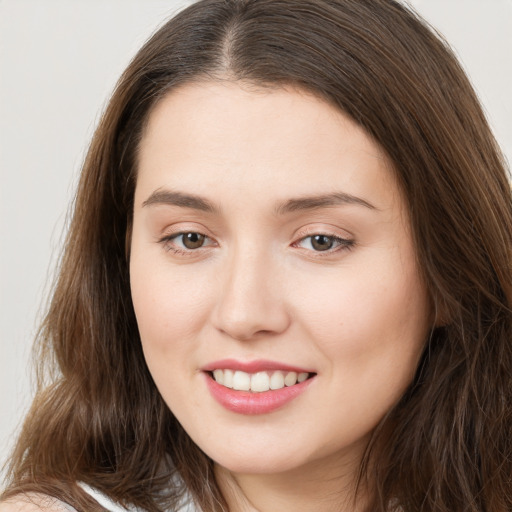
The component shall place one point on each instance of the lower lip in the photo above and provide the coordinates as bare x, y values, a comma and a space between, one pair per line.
245, 402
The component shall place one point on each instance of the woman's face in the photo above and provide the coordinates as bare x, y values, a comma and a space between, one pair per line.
271, 244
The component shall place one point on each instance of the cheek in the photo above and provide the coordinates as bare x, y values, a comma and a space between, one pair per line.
170, 312
371, 334
170, 306
370, 321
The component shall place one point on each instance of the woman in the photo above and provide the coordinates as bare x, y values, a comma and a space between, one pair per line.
287, 280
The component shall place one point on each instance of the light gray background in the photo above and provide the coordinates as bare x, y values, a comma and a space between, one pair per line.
59, 60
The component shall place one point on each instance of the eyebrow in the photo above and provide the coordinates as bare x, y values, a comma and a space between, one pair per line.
172, 198
196, 202
321, 201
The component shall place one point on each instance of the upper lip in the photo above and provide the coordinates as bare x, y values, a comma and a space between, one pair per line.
258, 365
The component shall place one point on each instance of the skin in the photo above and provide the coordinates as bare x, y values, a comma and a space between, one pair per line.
357, 314
33, 503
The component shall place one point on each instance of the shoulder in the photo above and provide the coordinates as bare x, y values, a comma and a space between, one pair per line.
34, 503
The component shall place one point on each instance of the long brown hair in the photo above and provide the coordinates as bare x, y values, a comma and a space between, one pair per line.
447, 446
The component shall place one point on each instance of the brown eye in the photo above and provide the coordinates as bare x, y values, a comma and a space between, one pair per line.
322, 242
192, 240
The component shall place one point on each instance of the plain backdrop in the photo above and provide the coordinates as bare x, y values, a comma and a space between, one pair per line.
59, 60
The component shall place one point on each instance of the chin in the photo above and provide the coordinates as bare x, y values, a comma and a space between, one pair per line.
259, 465
269, 458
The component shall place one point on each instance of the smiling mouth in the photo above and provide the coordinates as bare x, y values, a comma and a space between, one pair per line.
258, 382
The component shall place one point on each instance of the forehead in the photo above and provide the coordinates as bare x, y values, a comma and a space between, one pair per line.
211, 136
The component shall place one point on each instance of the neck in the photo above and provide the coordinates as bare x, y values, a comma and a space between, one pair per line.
319, 487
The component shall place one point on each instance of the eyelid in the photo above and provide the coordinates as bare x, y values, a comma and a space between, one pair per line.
179, 228
333, 231
175, 231
181, 233
344, 242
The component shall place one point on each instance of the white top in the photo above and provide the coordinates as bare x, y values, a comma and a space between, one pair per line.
112, 506
41, 502
105, 501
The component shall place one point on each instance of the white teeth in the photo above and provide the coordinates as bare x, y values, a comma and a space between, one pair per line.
241, 381
228, 378
258, 382
290, 379
277, 380
218, 375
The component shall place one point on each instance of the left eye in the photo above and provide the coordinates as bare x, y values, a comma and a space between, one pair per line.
190, 240
321, 243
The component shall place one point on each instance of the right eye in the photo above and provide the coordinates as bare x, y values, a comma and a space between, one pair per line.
185, 242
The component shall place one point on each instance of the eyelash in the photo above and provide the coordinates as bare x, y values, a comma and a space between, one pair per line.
167, 242
339, 242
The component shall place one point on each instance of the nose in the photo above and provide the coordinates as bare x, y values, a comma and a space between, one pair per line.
251, 301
